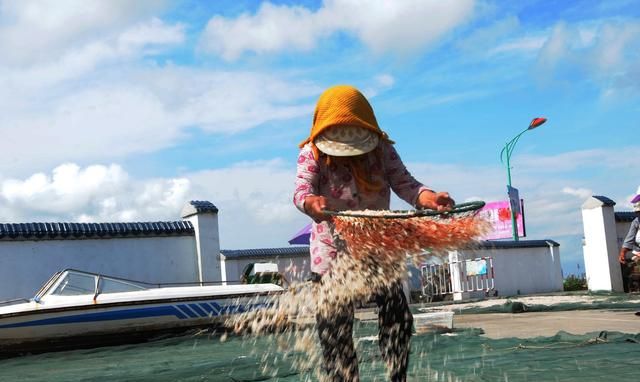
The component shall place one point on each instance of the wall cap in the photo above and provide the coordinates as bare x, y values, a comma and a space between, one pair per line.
597, 201
195, 207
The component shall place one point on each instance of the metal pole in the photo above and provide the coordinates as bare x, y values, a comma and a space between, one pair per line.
514, 228
507, 151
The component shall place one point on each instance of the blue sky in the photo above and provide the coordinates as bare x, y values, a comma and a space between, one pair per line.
119, 110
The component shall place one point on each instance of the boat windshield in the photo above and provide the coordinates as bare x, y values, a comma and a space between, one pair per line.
109, 285
75, 283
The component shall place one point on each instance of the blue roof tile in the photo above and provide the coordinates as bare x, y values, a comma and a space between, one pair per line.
265, 252
304, 250
48, 231
625, 216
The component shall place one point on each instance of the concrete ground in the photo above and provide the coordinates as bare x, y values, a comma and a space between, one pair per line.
534, 324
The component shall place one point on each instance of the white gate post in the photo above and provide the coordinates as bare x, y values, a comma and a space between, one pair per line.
204, 217
600, 249
456, 260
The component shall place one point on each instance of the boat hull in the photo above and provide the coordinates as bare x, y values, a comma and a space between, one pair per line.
107, 324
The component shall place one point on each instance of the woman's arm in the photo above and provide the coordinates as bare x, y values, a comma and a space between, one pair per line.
408, 188
305, 196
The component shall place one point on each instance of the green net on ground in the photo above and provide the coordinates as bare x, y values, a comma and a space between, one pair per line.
515, 306
461, 356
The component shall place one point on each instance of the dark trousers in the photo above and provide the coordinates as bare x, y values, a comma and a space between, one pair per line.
395, 321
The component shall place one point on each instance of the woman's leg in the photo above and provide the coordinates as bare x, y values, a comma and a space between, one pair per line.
395, 323
340, 362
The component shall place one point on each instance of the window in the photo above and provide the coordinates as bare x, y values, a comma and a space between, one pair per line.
116, 286
76, 284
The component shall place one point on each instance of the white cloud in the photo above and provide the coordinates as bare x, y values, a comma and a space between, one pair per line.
265, 188
72, 66
138, 111
380, 84
383, 26
579, 159
153, 32
255, 198
39, 30
581, 193
92, 193
480, 39
524, 44
606, 52
74, 91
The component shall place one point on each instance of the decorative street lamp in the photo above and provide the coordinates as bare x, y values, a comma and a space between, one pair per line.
505, 155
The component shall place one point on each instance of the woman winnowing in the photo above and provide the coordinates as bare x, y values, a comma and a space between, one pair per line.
349, 163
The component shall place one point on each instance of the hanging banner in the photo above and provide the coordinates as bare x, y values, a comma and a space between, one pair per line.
514, 199
499, 216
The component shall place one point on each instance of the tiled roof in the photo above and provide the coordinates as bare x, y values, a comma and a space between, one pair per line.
304, 250
625, 216
48, 231
265, 252
496, 244
197, 207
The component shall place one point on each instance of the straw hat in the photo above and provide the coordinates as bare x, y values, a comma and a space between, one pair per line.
344, 141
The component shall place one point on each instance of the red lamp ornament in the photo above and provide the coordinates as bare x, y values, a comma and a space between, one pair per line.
536, 122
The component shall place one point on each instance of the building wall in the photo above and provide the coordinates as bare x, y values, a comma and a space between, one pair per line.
294, 268
522, 270
28, 264
186, 251
622, 228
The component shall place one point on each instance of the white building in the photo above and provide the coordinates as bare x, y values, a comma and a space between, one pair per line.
157, 252
519, 267
293, 262
188, 251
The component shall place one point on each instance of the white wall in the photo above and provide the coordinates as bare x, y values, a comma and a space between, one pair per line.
152, 256
522, 270
294, 268
25, 265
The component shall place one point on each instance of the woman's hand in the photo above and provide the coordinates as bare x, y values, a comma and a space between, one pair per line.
314, 206
439, 201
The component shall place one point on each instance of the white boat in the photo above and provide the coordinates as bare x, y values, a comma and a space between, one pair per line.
81, 309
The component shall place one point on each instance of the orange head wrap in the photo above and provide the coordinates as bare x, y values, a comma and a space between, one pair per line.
342, 105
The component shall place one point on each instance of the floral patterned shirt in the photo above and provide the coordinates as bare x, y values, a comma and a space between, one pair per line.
336, 183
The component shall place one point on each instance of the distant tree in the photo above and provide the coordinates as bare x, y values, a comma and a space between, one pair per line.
573, 282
